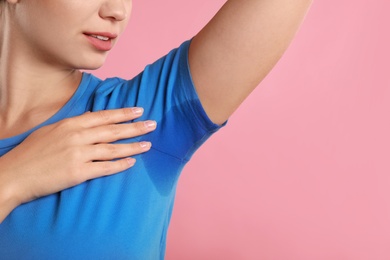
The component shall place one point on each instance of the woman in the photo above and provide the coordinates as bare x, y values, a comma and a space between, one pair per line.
78, 176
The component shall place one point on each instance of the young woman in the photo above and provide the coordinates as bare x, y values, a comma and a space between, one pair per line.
78, 176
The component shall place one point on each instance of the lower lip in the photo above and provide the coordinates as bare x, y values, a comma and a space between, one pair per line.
100, 44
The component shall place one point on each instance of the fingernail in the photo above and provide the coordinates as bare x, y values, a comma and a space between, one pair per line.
130, 161
145, 145
151, 124
138, 110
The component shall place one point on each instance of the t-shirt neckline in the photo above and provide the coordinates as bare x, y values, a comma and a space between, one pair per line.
61, 113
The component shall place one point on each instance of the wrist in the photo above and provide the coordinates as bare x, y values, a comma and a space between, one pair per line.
8, 194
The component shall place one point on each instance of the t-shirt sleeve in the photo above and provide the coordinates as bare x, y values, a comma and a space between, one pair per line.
166, 92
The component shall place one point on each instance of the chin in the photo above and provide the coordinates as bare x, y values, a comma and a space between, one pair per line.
92, 65
88, 61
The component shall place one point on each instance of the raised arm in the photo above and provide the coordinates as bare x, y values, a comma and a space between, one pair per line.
232, 54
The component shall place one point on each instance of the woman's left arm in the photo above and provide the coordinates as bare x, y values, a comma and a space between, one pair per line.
232, 54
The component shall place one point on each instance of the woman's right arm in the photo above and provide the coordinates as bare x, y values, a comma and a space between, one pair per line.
7, 202
67, 153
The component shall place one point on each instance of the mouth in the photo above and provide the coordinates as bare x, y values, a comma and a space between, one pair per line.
102, 41
104, 36
100, 37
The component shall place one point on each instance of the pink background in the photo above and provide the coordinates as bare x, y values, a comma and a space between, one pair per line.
302, 169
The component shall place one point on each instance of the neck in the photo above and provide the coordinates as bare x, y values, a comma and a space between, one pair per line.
30, 91
32, 87
23, 91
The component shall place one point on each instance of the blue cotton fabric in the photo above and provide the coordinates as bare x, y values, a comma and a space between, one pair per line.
123, 216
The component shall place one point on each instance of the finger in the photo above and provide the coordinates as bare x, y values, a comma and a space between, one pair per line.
99, 169
115, 151
105, 117
115, 132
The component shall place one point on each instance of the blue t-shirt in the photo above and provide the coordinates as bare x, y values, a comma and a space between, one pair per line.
123, 216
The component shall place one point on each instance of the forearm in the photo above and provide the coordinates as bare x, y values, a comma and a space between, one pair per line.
255, 33
8, 201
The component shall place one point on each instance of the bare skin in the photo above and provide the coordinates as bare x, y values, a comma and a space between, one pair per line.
235, 51
37, 78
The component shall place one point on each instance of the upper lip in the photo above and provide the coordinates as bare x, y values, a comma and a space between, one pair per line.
104, 34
